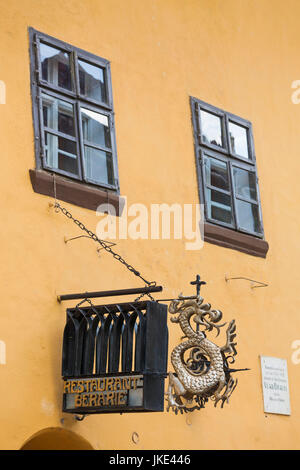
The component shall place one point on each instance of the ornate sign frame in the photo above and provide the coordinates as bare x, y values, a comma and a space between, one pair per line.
115, 358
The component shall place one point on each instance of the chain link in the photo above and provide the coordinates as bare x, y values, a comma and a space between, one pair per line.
106, 247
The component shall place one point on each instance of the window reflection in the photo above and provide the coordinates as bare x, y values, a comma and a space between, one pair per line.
98, 165
92, 81
58, 115
211, 128
55, 65
61, 153
245, 183
219, 206
95, 127
238, 140
248, 216
216, 173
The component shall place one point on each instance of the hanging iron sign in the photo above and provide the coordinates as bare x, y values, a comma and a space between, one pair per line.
115, 358
115, 355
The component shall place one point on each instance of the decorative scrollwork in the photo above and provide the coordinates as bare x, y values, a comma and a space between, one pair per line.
205, 373
197, 362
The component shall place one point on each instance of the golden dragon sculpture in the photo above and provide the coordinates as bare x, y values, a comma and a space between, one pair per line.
205, 372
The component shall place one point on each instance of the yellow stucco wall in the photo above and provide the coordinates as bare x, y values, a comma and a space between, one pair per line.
239, 55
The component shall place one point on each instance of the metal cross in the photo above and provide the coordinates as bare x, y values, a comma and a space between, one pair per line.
198, 283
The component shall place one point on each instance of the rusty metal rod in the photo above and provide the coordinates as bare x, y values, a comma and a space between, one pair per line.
109, 293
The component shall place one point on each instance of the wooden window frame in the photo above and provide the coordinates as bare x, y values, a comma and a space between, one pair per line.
102, 191
221, 233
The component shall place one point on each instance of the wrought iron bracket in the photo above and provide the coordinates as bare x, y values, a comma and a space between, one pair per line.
261, 284
66, 240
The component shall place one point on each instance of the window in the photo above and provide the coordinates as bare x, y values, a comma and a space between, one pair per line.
227, 177
73, 113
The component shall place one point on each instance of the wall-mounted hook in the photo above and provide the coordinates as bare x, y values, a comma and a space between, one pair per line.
66, 240
261, 284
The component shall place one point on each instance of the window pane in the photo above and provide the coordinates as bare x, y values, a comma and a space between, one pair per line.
219, 206
92, 81
216, 173
245, 183
248, 216
61, 153
238, 139
55, 65
98, 165
58, 115
67, 163
95, 127
211, 128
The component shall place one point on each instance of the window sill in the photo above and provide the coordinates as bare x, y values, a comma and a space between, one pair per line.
75, 193
235, 240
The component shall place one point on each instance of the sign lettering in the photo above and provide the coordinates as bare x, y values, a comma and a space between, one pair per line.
92, 394
275, 385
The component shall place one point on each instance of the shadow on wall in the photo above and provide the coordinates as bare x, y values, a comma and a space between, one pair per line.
56, 439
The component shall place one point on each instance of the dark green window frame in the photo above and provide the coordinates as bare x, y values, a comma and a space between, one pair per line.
75, 146
224, 205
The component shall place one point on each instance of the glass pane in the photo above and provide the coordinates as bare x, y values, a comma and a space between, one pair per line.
55, 65
248, 216
67, 146
92, 81
245, 183
216, 173
58, 115
238, 139
219, 206
61, 153
67, 164
211, 128
98, 165
95, 127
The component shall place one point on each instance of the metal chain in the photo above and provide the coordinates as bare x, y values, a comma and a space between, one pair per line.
142, 295
116, 256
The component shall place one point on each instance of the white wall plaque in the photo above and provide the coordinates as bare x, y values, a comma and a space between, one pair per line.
275, 385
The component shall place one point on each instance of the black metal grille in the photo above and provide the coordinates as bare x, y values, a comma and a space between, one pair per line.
115, 338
